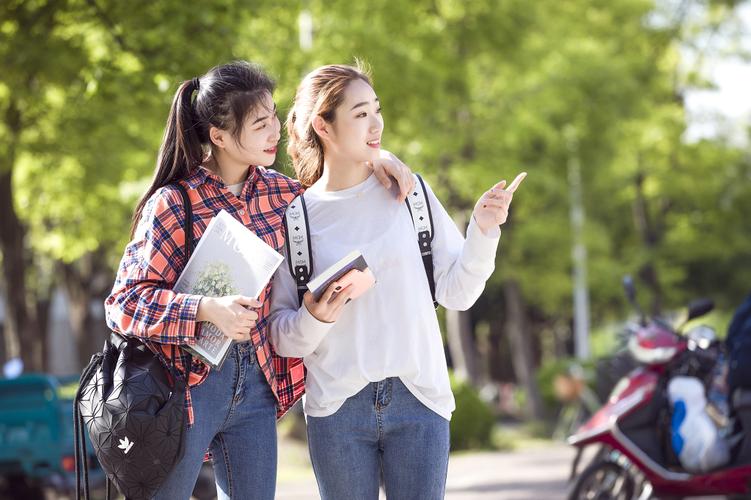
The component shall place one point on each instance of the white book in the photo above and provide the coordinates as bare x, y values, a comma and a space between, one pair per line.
228, 260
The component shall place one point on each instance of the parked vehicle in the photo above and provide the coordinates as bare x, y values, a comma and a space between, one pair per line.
37, 458
635, 458
36, 437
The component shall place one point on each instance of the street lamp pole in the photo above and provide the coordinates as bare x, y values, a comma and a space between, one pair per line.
305, 27
578, 248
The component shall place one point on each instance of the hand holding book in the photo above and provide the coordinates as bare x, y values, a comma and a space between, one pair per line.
329, 306
338, 284
233, 315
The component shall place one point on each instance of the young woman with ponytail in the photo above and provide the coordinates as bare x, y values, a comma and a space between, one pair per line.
221, 134
378, 399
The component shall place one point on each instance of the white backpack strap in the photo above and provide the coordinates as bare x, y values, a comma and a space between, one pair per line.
299, 256
422, 220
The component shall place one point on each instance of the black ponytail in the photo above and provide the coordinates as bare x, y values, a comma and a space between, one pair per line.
223, 98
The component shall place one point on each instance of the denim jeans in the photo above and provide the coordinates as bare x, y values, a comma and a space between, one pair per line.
235, 417
381, 432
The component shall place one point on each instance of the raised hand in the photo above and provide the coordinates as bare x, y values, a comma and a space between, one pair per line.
491, 210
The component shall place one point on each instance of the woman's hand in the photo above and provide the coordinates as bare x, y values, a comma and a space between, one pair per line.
327, 309
233, 315
491, 209
389, 165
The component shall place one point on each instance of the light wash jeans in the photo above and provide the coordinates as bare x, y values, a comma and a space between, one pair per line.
382, 431
235, 417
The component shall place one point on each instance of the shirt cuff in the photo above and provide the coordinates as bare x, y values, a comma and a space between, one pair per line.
311, 327
187, 327
479, 244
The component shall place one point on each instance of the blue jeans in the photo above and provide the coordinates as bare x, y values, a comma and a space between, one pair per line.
381, 432
235, 417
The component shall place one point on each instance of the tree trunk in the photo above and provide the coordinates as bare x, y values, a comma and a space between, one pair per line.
11, 242
42, 323
85, 281
26, 318
459, 334
461, 346
650, 238
523, 360
21, 331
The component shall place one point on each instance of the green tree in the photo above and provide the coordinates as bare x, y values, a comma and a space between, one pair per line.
472, 92
83, 113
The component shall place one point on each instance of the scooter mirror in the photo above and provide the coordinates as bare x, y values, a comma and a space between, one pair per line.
699, 307
628, 287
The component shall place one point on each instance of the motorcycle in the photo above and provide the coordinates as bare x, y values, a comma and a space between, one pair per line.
632, 429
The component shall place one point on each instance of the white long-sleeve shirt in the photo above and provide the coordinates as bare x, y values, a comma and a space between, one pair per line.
391, 330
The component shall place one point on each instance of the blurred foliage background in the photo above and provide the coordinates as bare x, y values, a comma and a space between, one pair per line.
472, 92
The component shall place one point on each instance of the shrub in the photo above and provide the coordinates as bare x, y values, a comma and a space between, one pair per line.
472, 421
558, 377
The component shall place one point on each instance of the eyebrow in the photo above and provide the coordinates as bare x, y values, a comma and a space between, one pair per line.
363, 104
263, 117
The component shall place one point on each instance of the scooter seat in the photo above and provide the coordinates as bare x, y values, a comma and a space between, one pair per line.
741, 398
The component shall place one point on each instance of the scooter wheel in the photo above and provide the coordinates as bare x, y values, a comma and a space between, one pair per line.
603, 480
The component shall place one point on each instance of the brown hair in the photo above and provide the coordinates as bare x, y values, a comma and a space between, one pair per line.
319, 94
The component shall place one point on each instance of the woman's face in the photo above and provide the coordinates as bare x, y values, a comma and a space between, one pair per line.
258, 139
358, 124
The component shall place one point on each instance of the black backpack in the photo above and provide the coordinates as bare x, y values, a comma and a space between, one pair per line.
131, 402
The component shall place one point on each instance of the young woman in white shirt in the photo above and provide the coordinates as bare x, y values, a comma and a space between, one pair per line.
378, 399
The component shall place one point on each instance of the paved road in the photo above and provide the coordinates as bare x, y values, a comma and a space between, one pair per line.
531, 474
536, 473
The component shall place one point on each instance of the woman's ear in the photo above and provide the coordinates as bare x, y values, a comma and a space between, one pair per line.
216, 136
321, 127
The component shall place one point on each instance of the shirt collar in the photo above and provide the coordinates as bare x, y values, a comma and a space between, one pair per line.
202, 175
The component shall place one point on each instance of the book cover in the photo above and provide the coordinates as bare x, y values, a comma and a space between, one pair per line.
229, 259
351, 269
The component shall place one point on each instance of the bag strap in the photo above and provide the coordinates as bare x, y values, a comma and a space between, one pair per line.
422, 220
297, 242
188, 206
188, 228
79, 437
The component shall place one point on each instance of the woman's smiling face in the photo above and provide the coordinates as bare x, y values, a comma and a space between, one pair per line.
358, 124
258, 139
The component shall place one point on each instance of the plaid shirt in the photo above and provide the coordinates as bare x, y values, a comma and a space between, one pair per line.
142, 302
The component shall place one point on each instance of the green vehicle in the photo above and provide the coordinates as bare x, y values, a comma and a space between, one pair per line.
36, 438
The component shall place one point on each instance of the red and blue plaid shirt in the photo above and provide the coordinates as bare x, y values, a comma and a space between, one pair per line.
142, 302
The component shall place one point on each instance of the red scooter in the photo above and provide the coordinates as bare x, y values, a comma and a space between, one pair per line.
632, 429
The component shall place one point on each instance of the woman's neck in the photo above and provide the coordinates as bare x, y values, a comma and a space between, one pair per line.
341, 173
230, 171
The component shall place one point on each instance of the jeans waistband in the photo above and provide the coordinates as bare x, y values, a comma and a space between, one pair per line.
246, 350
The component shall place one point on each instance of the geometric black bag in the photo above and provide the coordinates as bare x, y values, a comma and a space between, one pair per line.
132, 404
